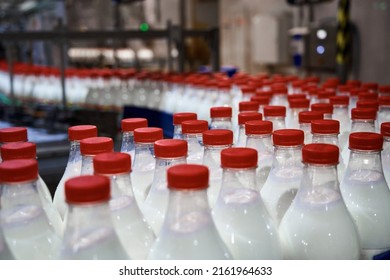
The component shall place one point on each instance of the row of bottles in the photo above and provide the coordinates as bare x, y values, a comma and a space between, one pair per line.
213, 210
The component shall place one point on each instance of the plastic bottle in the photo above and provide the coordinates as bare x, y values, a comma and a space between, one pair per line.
168, 152
214, 142
144, 161
188, 231
385, 131
325, 108
296, 106
277, 115
327, 132
263, 100
279, 96
25, 224
27, 150
317, 224
284, 178
239, 214
259, 138
363, 120
128, 126
367, 194
178, 118
90, 147
73, 167
192, 133
89, 230
242, 119
12, 134
5, 251
221, 118
341, 113
133, 231
305, 118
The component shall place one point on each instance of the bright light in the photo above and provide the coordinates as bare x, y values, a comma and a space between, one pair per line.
321, 34
320, 49
145, 54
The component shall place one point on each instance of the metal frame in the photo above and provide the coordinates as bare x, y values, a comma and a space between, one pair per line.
173, 34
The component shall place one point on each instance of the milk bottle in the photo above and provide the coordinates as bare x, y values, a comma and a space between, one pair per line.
192, 133
128, 127
242, 119
12, 134
305, 118
90, 147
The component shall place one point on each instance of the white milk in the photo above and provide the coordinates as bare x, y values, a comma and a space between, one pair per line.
141, 182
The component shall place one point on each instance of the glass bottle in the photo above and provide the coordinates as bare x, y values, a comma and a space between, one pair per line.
367, 194
188, 231
89, 230
239, 213
317, 224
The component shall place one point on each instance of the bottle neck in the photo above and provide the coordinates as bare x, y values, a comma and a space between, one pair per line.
326, 138
87, 165
144, 157
177, 132
160, 178
121, 185
188, 211
243, 178
127, 141
287, 156
365, 160
74, 153
363, 125
261, 142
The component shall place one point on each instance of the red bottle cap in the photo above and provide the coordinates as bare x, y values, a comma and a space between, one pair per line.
221, 112
325, 126
128, 125
96, 145
13, 134
80, 132
385, 129
245, 106
258, 127
363, 114
279, 89
339, 100
366, 141
288, 137
370, 86
344, 88
368, 96
19, 150
320, 154
178, 118
218, 137
261, 100
299, 103
148, 134
274, 111
18, 170
296, 96
112, 163
325, 108
384, 89
87, 189
384, 100
194, 127
188, 177
354, 83
326, 94
248, 89
309, 116
238, 158
372, 104
170, 148
249, 116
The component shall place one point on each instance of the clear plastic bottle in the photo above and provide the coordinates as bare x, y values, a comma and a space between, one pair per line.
385, 131
5, 251
341, 113
327, 132
263, 100
317, 225
277, 115
90, 147
144, 161
89, 230
133, 231
12, 134
284, 178
296, 106
214, 142
279, 96
259, 138
27, 150
192, 133
221, 118
178, 118
168, 152
367, 194
242, 119
363, 120
305, 118
325, 108
188, 231
73, 167
25, 224
239, 214
128, 126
